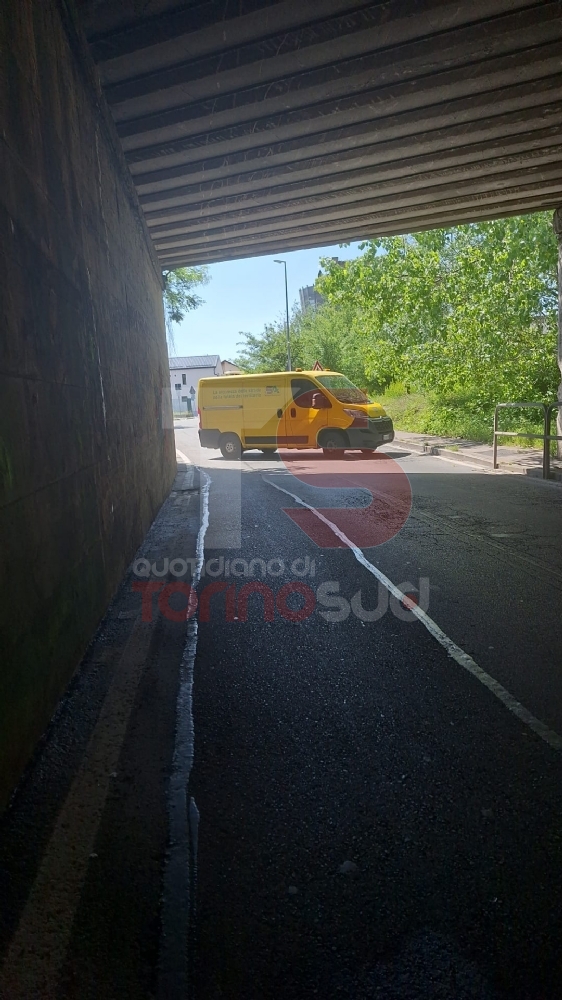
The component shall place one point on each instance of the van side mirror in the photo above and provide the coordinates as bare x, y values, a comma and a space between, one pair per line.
320, 402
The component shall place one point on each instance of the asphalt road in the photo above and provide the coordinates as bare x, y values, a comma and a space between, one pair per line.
374, 819
313, 790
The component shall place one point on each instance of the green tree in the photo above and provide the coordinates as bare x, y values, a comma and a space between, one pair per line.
267, 351
179, 297
328, 335
325, 335
467, 312
466, 316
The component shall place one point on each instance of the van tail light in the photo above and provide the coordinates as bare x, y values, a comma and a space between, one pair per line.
360, 419
199, 415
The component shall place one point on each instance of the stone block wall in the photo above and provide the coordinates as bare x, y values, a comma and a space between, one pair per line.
86, 450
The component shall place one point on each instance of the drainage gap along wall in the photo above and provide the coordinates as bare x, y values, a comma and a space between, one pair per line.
86, 445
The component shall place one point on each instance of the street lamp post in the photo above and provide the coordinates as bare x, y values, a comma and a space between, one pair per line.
284, 262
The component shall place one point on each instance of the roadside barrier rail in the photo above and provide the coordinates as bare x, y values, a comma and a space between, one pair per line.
546, 437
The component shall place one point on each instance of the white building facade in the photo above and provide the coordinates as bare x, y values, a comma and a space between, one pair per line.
184, 378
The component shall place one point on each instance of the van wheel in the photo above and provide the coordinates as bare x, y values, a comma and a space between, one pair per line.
230, 447
333, 444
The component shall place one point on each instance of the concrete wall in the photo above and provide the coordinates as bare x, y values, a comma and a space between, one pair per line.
83, 465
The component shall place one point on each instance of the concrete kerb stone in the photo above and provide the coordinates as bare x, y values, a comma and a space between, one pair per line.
433, 445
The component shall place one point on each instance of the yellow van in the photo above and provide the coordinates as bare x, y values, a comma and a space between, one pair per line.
289, 409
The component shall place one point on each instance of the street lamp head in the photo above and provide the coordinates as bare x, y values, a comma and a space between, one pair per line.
279, 262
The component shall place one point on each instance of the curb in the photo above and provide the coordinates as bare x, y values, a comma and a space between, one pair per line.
426, 448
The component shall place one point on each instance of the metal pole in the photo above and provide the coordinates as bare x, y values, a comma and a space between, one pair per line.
546, 443
288, 327
495, 446
557, 226
284, 262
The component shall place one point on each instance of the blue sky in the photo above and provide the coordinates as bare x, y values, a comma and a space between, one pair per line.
243, 295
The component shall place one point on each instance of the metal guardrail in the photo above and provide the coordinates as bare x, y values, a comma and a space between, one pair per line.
546, 437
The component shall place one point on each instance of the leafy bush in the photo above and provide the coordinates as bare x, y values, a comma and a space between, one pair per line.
461, 318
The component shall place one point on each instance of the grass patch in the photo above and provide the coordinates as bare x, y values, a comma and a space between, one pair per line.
457, 417
409, 412
420, 413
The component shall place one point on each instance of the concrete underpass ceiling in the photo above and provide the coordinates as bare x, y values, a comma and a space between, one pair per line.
261, 126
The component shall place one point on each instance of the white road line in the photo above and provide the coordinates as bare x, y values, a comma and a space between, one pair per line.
470, 465
177, 891
183, 457
454, 651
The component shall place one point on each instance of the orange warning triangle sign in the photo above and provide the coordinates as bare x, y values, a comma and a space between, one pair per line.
317, 367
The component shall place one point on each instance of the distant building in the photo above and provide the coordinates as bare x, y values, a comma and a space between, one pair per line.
229, 368
310, 298
184, 377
